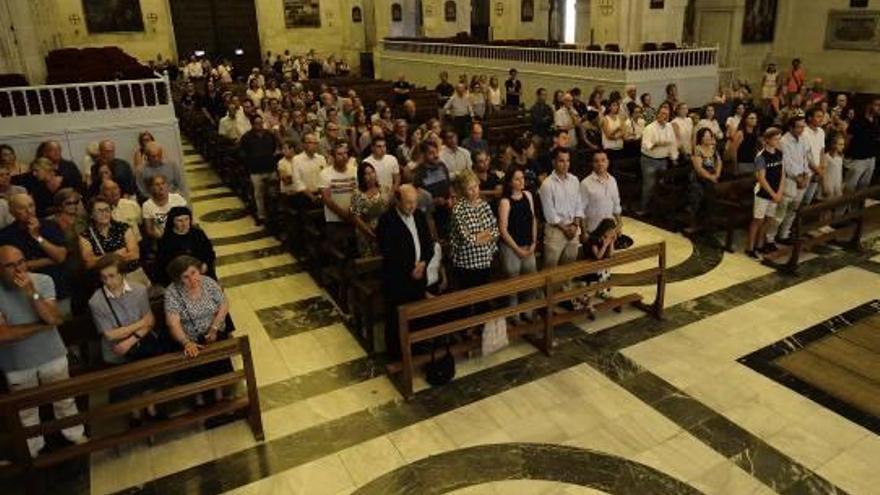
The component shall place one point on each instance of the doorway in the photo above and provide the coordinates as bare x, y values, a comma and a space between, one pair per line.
480, 20
221, 28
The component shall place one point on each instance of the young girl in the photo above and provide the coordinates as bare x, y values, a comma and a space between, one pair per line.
833, 186
599, 246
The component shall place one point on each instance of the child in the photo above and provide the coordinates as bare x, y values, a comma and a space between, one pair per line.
599, 246
833, 184
768, 191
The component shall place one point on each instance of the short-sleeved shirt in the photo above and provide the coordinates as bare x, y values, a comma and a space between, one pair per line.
386, 167
129, 212
130, 307
865, 138
40, 347
16, 235
160, 213
771, 163
196, 315
341, 185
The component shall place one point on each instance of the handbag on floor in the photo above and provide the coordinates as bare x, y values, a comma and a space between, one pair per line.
440, 371
494, 336
623, 241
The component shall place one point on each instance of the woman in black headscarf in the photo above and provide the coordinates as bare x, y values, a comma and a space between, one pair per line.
182, 237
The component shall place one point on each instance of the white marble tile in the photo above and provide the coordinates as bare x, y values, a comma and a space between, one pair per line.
682, 457
179, 451
241, 247
726, 478
113, 470
421, 440
231, 438
254, 265
371, 459
526, 487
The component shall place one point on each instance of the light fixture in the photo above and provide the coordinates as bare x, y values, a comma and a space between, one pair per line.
239, 51
199, 53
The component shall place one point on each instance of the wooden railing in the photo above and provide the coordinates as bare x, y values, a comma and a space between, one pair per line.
631, 61
84, 97
122, 375
540, 330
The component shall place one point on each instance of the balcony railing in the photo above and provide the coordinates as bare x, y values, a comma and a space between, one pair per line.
631, 61
84, 97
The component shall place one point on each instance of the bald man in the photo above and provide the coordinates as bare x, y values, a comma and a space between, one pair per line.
121, 170
406, 246
157, 166
42, 244
31, 350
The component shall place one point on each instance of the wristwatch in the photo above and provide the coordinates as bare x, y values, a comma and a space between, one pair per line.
40, 239
36, 296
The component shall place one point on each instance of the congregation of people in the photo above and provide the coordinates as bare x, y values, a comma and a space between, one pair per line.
443, 208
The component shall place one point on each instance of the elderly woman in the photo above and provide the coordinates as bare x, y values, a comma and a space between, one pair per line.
182, 237
195, 311
104, 235
473, 233
368, 203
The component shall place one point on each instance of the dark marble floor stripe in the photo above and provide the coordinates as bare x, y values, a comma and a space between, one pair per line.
256, 254
190, 152
224, 215
481, 464
260, 275
208, 197
298, 316
207, 186
236, 239
600, 350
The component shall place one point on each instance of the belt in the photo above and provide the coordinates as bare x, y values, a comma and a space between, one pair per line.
652, 158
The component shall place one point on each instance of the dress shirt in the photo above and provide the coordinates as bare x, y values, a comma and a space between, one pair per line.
410, 223
307, 172
795, 155
459, 106
654, 132
601, 199
456, 160
561, 199
816, 141
228, 128
565, 117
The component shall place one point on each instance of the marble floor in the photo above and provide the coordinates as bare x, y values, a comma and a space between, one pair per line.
626, 405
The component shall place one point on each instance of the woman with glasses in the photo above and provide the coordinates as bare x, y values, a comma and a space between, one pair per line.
103, 236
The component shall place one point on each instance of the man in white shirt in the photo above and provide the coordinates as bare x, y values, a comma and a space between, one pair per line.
338, 183
306, 177
796, 166
659, 145
814, 136
599, 195
563, 211
567, 119
455, 158
228, 126
123, 209
386, 166
193, 69
631, 96
157, 207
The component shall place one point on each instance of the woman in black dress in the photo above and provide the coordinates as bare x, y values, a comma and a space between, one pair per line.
182, 237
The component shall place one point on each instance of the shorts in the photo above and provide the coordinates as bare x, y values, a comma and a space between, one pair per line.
763, 208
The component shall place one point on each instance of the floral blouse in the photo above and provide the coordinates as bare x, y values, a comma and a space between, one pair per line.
369, 208
196, 315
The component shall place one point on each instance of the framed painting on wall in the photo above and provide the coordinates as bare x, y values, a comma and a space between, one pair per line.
396, 12
357, 14
853, 30
527, 11
113, 16
450, 11
302, 13
759, 21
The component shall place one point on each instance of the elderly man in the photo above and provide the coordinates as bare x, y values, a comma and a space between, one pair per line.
475, 142
124, 210
409, 113
456, 159
567, 118
31, 350
406, 246
659, 146
42, 244
258, 148
157, 166
72, 177
120, 169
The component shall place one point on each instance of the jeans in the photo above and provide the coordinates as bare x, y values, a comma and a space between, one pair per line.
513, 265
261, 183
50, 372
650, 166
786, 210
857, 174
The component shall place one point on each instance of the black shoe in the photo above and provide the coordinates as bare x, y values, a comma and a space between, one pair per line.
785, 242
752, 254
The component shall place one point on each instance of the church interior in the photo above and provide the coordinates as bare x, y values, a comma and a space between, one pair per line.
466, 247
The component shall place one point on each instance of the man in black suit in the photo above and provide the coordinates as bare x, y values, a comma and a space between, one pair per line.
406, 246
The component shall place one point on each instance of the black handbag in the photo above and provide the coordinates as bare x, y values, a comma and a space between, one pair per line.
623, 241
440, 371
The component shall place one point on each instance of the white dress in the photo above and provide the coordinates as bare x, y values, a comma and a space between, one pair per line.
685, 134
613, 123
770, 85
834, 175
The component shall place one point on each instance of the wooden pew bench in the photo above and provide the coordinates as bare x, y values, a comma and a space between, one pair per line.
733, 207
96, 382
540, 331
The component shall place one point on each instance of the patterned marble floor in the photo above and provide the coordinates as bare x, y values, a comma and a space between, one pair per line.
627, 404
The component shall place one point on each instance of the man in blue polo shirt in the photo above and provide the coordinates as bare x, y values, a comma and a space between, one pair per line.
31, 350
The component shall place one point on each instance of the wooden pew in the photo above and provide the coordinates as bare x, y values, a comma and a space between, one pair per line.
127, 374
847, 213
539, 331
365, 298
733, 207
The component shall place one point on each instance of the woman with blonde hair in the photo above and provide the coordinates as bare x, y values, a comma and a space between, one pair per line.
473, 233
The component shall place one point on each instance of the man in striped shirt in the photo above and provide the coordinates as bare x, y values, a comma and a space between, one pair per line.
337, 184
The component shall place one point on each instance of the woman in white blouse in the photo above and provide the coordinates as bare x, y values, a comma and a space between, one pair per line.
683, 126
493, 92
255, 93
710, 122
613, 129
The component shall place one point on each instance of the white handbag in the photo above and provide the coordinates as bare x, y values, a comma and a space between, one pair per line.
494, 336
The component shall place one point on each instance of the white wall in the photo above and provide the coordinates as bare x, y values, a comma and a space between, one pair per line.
800, 32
